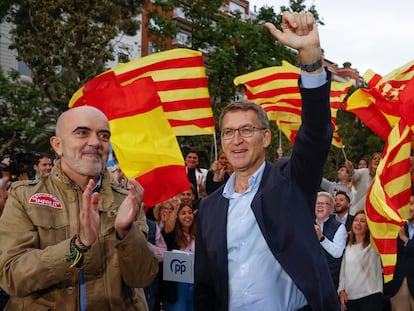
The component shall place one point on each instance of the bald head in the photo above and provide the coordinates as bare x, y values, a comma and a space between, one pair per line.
82, 143
76, 112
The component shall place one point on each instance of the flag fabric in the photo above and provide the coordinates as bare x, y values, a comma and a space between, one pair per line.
387, 203
181, 83
276, 90
144, 144
378, 106
111, 158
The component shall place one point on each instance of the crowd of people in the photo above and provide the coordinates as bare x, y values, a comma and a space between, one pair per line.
75, 234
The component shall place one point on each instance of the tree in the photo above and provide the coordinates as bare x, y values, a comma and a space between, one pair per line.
161, 28
66, 43
26, 120
234, 46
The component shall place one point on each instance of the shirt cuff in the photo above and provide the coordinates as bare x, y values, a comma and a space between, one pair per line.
311, 81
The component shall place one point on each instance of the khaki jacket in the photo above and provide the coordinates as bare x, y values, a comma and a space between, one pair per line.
38, 222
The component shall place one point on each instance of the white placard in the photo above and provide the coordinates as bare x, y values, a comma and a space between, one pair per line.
178, 266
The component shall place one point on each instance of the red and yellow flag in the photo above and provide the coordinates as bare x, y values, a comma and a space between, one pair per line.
276, 90
143, 141
387, 203
181, 83
378, 106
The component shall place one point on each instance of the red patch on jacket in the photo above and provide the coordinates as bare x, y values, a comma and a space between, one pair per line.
45, 199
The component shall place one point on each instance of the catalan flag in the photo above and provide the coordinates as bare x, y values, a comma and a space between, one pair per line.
144, 143
181, 83
387, 203
276, 90
378, 106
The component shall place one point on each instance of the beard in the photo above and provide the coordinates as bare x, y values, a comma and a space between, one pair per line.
88, 163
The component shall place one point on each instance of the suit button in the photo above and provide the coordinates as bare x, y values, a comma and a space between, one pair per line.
69, 290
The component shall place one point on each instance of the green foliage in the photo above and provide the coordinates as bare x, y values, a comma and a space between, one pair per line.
160, 26
235, 46
66, 43
358, 139
27, 122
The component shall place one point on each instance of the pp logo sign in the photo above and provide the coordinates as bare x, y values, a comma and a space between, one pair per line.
178, 266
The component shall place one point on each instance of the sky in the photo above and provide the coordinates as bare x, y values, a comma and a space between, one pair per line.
370, 34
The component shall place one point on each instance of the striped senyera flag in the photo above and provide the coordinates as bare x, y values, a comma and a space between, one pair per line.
143, 141
276, 90
378, 106
181, 83
387, 202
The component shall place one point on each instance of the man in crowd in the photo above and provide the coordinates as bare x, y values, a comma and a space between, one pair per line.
342, 205
256, 247
363, 178
42, 165
70, 241
331, 234
342, 183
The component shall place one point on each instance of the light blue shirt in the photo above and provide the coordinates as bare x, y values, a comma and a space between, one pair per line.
256, 279
310, 81
410, 230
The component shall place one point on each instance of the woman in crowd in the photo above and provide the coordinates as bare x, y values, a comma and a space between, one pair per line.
196, 174
181, 236
360, 279
363, 178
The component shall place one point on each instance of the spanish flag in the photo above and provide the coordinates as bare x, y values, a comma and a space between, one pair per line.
181, 83
143, 141
276, 90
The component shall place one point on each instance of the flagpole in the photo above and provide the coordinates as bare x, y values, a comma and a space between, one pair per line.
215, 146
280, 150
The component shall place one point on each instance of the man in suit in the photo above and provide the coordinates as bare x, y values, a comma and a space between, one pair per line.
401, 288
256, 247
342, 206
331, 233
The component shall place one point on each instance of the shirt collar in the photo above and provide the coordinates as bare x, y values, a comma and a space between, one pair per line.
254, 182
98, 184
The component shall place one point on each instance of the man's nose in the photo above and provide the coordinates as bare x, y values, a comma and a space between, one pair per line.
94, 140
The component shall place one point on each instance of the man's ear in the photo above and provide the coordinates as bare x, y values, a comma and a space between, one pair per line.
56, 144
267, 138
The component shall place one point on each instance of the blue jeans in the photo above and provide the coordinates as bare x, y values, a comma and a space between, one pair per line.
185, 301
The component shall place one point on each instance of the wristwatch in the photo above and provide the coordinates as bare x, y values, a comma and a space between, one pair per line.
322, 238
312, 67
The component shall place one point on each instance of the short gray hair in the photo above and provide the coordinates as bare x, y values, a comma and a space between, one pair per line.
246, 105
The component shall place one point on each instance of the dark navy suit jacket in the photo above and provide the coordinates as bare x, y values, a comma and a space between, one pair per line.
284, 209
404, 267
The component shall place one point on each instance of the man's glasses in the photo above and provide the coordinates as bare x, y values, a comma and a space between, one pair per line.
323, 203
244, 131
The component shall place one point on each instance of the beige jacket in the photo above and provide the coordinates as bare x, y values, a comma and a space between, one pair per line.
38, 222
